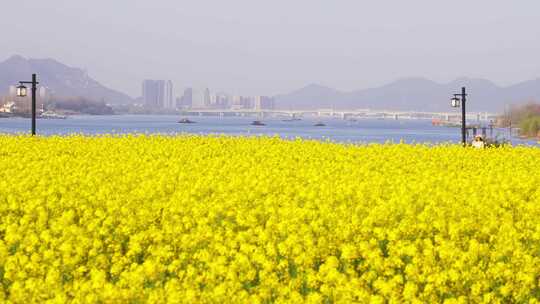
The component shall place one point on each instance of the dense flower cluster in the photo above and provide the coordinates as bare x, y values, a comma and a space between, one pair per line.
194, 219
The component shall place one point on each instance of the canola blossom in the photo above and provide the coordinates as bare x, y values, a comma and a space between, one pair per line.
216, 219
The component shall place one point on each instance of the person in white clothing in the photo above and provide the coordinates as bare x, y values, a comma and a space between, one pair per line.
478, 142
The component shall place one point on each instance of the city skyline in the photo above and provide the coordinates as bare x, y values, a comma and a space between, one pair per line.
405, 94
158, 94
250, 48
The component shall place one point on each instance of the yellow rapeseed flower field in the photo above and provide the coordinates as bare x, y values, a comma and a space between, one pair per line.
214, 219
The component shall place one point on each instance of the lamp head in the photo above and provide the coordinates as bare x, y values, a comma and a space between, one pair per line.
455, 102
21, 91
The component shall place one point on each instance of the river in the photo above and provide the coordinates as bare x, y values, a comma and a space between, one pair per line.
361, 130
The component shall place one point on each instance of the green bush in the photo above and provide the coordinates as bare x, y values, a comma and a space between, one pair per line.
530, 126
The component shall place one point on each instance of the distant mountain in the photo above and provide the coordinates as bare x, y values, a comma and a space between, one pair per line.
402, 94
527, 90
311, 96
61, 80
413, 94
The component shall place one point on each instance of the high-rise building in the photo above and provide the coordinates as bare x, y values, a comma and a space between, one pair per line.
207, 101
187, 99
150, 93
248, 102
264, 103
242, 102
197, 99
168, 99
220, 101
179, 103
201, 99
158, 93
236, 102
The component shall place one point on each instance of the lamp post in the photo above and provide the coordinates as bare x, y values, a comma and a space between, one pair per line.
22, 92
457, 101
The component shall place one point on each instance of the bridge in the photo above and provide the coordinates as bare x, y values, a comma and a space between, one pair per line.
341, 114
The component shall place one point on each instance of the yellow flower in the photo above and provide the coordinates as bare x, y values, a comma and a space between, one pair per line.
217, 219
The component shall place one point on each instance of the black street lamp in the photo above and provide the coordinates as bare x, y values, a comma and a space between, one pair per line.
457, 101
22, 92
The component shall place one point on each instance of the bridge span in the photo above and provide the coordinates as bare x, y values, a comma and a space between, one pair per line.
341, 114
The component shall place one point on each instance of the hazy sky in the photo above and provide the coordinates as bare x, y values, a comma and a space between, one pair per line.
274, 46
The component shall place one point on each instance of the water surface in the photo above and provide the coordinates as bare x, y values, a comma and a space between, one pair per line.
362, 130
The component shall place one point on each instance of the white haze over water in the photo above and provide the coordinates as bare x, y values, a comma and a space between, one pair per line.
272, 47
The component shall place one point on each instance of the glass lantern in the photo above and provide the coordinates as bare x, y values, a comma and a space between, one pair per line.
456, 102
21, 91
